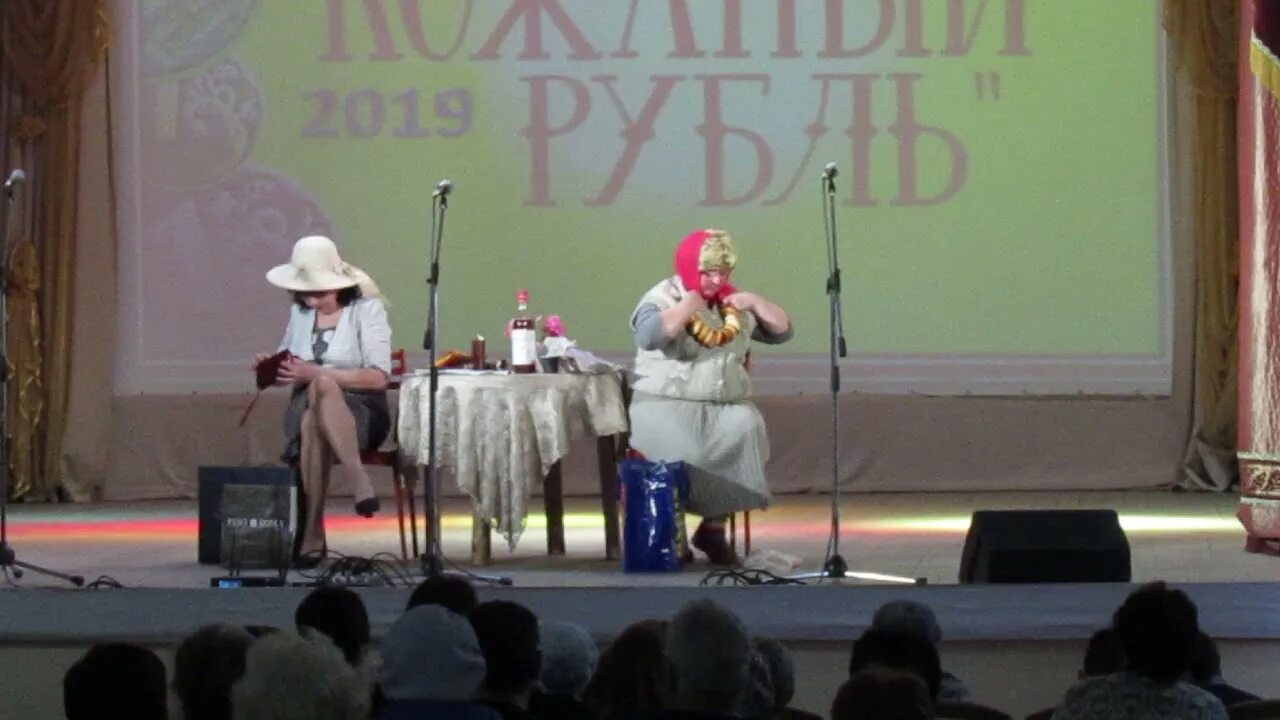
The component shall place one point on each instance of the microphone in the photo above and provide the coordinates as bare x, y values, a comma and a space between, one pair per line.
830, 172
17, 177
443, 188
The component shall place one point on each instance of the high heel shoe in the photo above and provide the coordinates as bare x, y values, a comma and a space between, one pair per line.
368, 507
308, 560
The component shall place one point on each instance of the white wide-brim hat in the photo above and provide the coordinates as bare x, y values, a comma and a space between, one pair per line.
316, 267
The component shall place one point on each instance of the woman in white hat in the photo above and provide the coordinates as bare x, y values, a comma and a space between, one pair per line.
339, 335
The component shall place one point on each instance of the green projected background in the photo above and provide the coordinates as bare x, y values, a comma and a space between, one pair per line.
999, 176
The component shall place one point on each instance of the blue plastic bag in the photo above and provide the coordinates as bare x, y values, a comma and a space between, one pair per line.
654, 495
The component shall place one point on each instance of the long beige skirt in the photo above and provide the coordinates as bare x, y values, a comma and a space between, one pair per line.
724, 444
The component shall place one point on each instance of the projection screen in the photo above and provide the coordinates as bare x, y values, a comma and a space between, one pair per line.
1001, 213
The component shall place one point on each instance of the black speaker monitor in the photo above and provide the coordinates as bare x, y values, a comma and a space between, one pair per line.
1045, 546
251, 509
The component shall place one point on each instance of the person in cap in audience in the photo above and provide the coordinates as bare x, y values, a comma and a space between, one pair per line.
879, 693
452, 592
630, 674
116, 680
340, 614
340, 341
508, 635
758, 699
432, 667
1103, 655
709, 653
917, 618
568, 661
782, 679
1157, 627
208, 662
288, 676
898, 650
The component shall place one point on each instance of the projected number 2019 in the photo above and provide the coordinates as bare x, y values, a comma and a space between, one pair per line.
371, 113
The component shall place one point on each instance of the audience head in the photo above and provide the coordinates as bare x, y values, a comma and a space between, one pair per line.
908, 616
1206, 663
1157, 627
877, 692
288, 676
898, 651
568, 658
630, 673
1104, 654
757, 700
206, 665
454, 593
508, 635
339, 613
782, 672
431, 653
709, 654
115, 680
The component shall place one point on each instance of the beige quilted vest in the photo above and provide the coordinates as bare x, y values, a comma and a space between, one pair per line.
688, 371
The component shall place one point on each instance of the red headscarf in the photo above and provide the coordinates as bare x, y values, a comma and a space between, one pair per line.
689, 265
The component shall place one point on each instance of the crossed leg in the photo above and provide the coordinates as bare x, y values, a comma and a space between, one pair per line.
328, 431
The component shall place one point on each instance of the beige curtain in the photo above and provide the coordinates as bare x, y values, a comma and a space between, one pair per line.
50, 48
1204, 36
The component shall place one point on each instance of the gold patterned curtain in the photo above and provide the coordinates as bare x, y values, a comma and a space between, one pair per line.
1204, 35
50, 48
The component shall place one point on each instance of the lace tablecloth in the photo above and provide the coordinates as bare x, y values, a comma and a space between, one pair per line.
500, 434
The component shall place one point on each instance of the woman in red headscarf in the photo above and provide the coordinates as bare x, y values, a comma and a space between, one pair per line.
692, 393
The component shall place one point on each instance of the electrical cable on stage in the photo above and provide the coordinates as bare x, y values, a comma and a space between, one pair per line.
504, 581
104, 581
353, 570
746, 577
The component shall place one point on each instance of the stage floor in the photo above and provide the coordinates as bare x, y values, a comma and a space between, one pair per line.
1175, 536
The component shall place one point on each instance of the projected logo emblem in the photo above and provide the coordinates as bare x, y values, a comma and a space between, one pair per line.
178, 35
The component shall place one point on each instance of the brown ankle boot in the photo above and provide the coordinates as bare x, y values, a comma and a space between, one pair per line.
710, 539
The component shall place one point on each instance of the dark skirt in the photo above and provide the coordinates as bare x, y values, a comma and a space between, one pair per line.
368, 407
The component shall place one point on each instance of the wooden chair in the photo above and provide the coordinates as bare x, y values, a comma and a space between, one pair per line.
968, 711
746, 532
403, 476
746, 515
1255, 710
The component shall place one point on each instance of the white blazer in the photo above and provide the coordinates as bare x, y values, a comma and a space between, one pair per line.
362, 338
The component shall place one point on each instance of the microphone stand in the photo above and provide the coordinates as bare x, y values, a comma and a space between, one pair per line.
9, 563
834, 565
433, 560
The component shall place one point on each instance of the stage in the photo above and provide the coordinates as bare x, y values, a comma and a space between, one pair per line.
1174, 536
150, 549
1017, 645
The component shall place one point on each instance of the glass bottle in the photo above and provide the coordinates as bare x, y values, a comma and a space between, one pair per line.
524, 337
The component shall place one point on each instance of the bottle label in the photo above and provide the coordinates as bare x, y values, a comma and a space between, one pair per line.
524, 347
